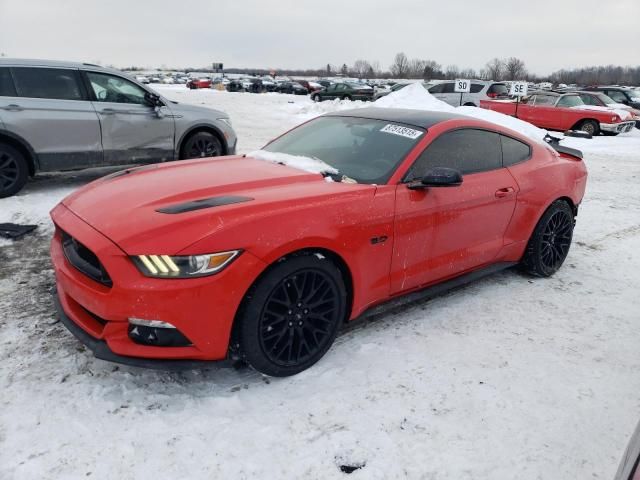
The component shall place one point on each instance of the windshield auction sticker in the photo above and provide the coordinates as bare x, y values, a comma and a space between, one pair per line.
402, 131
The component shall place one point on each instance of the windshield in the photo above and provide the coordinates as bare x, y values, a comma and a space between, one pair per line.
570, 101
365, 150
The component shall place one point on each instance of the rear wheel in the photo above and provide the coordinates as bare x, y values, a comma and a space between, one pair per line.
590, 126
292, 315
14, 171
346, 97
550, 242
201, 145
316, 98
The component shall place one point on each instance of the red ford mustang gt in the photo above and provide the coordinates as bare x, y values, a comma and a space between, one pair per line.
240, 258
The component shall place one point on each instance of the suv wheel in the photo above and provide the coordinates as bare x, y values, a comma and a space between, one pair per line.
201, 145
13, 171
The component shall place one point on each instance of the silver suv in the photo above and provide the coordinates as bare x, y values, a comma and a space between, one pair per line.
480, 90
63, 116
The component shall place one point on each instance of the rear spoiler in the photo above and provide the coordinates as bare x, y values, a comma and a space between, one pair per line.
554, 142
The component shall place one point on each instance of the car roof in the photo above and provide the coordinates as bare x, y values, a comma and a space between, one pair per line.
417, 118
30, 62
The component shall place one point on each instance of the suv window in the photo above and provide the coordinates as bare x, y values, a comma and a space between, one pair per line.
467, 150
476, 87
498, 89
7, 88
437, 88
448, 87
513, 151
110, 88
53, 83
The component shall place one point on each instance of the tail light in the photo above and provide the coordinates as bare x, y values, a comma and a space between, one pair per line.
492, 95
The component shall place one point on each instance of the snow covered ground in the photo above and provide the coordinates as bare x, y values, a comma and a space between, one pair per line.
509, 377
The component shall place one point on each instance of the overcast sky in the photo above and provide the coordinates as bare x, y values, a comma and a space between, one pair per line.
547, 35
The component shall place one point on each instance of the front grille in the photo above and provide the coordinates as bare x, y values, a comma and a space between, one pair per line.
84, 260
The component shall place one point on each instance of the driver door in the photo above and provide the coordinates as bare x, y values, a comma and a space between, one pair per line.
441, 232
132, 130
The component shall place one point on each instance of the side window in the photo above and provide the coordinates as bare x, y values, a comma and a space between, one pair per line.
513, 151
467, 150
448, 87
110, 88
53, 83
589, 100
7, 89
476, 87
437, 88
617, 96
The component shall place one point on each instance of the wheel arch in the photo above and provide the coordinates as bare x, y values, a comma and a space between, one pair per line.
202, 127
582, 120
23, 147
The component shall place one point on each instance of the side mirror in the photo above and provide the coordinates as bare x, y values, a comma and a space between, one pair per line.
153, 100
438, 177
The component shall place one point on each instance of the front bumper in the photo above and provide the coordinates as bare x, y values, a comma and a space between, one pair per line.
621, 127
202, 309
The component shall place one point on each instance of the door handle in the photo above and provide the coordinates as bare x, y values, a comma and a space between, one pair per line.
504, 192
13, 108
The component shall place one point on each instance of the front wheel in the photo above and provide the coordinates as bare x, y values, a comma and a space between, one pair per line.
292, 315
316, 98
201, 145
346, 97
549, 244
591, 127
13, 171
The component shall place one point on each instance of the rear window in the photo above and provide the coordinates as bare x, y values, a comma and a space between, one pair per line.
498, 89
476, 87
6, 84
513, 151
53, 83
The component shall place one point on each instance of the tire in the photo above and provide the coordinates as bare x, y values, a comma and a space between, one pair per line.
469, 104
201, 145
590, 126
550, 242
346, 97
316, 98
291, 316
14, 171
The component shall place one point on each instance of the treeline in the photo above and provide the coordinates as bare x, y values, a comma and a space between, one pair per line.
511, 68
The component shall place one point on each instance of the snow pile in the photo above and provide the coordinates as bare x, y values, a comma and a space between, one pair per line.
315, 109
623, 114
415, 97
308, 164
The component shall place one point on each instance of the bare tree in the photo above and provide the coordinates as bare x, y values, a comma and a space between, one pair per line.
514, 69
494, 69
432, 70
361, 68
416, 68
452, 71
400, 67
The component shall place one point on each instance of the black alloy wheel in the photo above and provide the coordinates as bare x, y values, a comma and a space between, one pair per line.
13, 171
292, 315
202, 145
549, 245
298, 316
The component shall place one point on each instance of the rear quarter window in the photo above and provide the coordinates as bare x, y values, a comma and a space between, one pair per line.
499, 89
7, 89
53, 83
476, 87
514, 151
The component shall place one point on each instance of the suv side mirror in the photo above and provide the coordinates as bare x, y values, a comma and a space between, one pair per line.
153, 100
438, 177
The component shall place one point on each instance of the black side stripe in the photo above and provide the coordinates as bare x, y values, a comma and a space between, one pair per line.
203, 203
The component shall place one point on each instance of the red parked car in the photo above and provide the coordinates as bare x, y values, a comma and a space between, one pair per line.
196, 83
556, 111
243, 258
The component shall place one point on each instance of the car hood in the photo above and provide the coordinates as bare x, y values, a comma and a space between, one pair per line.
147, 209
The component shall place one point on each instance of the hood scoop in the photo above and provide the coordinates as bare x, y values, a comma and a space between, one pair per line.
203, 203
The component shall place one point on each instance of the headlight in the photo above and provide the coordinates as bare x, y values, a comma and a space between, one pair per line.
226, 120
165, 266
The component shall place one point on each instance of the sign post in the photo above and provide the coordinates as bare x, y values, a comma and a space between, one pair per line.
217, 67
462, 86
518, 90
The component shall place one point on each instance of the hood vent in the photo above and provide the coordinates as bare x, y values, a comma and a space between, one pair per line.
204, 203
